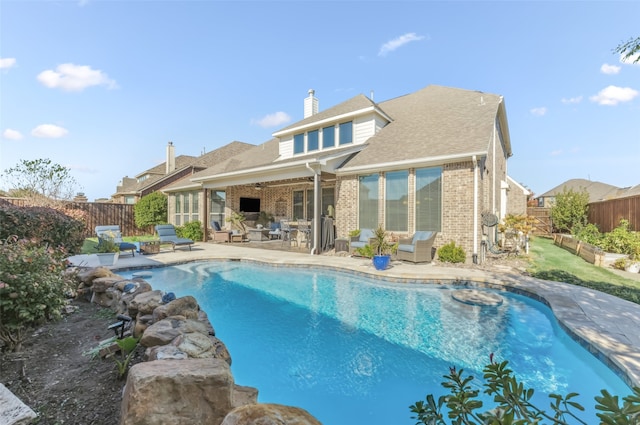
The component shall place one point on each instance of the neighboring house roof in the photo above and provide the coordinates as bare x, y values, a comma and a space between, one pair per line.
597, 191
157, 174
434, 125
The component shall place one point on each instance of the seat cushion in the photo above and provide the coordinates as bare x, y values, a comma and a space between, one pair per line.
358, 244
365, 235
421, 235
406, 247
216, 226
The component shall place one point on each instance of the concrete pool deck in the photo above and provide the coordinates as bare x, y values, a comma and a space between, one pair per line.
605, 325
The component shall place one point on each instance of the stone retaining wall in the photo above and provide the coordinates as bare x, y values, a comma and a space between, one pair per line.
186, 376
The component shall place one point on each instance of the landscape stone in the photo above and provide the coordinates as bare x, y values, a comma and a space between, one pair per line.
87, 276
145, 303
183, 306
168, 392
269, 414
12, 410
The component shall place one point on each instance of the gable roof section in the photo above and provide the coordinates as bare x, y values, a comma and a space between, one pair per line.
335, 113
433, 123
597, 191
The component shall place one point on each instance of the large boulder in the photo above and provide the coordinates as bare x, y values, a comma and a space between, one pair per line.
169, 392
201, 346
166, 330
89, 275
183, 306
269, 414
145, 303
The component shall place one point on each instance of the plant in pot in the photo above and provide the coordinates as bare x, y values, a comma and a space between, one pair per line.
264, 219
237, 222
108, 251
382, 248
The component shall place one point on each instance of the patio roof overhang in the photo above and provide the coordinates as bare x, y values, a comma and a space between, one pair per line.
277, 171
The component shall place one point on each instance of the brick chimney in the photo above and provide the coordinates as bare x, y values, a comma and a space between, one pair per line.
310, 104
171, 158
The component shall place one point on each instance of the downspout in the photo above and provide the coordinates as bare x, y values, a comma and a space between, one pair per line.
475, 209
317, 220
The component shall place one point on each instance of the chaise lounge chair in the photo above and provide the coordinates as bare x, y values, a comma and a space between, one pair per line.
418, 248
167, 235
113, 232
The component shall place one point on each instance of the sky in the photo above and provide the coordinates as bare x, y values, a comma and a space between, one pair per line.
101, 86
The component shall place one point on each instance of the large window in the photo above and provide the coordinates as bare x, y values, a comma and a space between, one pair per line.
346, 133
313, 140
429, 199
328, 137
187, 208
298, 143
397, 201
368, 201
298, 204
218, 201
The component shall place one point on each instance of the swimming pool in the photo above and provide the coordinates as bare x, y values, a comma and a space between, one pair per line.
354, 350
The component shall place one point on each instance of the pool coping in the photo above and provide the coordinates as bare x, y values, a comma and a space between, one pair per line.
607, 326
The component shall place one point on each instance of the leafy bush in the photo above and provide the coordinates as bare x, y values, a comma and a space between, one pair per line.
514, 403
32, 287
570, 210
622, 240
44, 225
451, 253
151, 209
589, 234
191, 230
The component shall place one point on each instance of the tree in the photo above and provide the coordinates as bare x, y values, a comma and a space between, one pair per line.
42, 181
570, 210
151, 209
630, 49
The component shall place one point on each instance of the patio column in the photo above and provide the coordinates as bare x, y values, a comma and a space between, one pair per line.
317, 208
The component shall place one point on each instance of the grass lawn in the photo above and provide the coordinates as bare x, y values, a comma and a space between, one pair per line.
550, 262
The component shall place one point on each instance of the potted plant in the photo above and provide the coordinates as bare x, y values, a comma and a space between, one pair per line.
382, 248
108, 251
264, 219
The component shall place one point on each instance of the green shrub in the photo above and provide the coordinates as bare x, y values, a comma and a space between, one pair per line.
621, 240
151, 209
191, 230
451, 253
513, 403
44, 225
589, 234
33, 286
570, 209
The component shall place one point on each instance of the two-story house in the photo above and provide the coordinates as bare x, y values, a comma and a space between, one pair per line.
430, 160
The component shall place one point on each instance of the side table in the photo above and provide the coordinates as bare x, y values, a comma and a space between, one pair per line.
342, 245
150, 247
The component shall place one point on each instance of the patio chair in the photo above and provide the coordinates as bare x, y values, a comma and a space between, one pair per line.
113, 232
275, 230
219, 234
167, 235
418, 248
289, 234
237, 236
361, 240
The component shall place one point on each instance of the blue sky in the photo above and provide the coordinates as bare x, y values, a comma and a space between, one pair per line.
102, 86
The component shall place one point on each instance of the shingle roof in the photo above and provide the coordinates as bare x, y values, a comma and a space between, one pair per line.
432, 122
597, 191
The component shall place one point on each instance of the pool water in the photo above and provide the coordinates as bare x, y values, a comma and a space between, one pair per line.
352, 350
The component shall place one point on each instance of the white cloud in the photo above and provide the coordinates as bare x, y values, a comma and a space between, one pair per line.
609, 69
538, 112
273, 120
72, 77
556, 152
49, 131
612, 95
570, 100
396, 43
7, 63
12, 134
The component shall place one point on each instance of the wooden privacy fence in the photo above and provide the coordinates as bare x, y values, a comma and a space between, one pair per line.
541, 220
100, 214
607, 214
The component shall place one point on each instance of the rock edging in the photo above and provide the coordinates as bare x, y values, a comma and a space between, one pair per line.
186, 376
